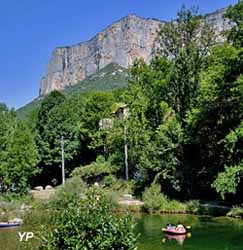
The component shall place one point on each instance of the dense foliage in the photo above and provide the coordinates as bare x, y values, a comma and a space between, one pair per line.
18, 153
79, 228
95, 171
183, 129
154, 200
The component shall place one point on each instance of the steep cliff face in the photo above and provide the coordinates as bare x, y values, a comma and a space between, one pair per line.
219, 23
122, 42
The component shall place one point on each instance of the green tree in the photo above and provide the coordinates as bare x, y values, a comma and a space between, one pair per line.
97, 106
185, 42
21, 159
152, 81
219, 111
228, 181
7, 125
235, 14
45, 145
153, 130
57, 118
162, 160
18, 152
50, 101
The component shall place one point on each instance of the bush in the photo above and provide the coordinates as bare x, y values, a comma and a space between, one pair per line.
154, 200
89, 224
193, 207
123, 187
74, 188
95, 171
109, 180
236, 212
13, 201
174, 206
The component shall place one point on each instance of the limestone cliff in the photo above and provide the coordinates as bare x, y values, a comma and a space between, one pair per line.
128, 39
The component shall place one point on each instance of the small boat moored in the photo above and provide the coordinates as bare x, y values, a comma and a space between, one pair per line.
11, 223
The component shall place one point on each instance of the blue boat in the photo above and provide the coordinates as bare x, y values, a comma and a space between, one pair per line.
11, 223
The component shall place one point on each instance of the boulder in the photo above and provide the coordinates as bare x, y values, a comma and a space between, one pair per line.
48, 187
38, 188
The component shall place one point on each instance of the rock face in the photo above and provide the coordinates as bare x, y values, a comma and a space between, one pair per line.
128, 39
220, 24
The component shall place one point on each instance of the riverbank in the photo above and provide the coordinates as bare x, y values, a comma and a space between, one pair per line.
120, 195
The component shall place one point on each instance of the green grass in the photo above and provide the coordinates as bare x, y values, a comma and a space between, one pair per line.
107, 79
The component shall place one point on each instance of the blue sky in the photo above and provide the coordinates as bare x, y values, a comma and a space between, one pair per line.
31, 29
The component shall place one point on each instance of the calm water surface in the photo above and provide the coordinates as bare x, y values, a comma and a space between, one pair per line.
206, 233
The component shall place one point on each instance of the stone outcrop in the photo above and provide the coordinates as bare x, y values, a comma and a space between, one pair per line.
220, 24
130, 38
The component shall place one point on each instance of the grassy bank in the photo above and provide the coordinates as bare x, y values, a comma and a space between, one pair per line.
157, 202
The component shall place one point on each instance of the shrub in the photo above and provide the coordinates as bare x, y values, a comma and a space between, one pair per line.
73, 189
176, 207
89, 224
109, 180
123, 187
193, 207
236, 212
154, 200
95, 171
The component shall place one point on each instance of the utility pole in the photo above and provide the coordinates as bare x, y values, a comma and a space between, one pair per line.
125, 150
63, 164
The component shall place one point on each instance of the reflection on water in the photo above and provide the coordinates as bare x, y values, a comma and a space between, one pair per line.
179, 238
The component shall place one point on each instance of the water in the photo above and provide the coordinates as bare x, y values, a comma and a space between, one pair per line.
206, 233
33, 221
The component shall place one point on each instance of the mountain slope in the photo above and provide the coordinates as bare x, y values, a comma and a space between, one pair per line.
111, 77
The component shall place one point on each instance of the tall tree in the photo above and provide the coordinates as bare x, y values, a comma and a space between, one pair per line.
219, 110
20, 164
45, 145
185, 42
235, 14
7, 125
18, 152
